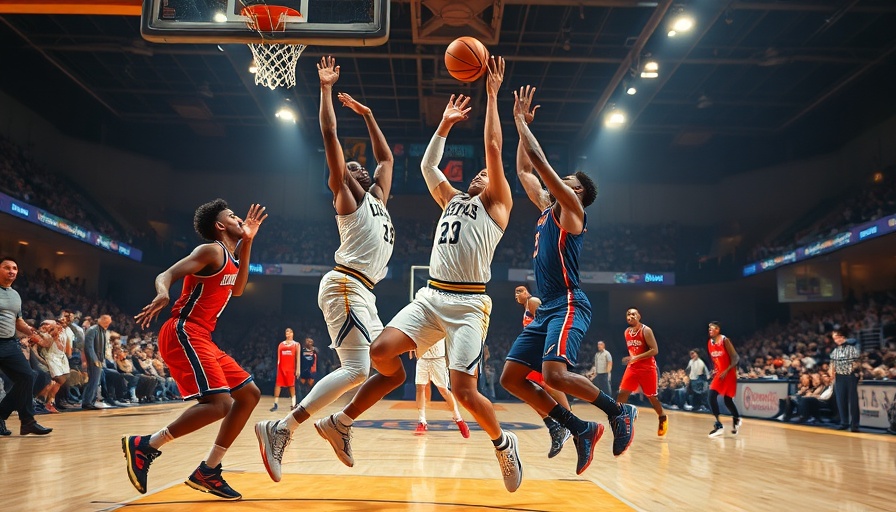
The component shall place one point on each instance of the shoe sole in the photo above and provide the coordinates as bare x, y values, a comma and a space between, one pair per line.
203, 488
717, 434
128, 457
338, 450
600, 432
263, 448
632, 438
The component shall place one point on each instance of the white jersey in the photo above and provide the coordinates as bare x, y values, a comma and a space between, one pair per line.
366, 238
464, 242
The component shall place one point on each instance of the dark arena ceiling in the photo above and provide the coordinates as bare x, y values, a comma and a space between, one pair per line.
753, 83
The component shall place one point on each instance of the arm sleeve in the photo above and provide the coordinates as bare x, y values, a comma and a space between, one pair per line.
430, 163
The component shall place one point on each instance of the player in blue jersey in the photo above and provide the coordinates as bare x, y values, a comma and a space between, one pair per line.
551, 342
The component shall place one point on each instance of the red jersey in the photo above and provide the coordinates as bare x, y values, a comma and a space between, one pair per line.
637, 345
286, 355
720, 358
204, 298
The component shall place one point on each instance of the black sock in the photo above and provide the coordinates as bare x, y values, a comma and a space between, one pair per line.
729, 403
550, 422
501, 442
714, 403
608, 405
569, 420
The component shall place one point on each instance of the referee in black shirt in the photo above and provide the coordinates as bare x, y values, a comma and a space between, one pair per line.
845, 368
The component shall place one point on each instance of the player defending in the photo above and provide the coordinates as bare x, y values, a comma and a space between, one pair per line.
559, 433
211, 274
346, 292
551, 342
641, 370
454, 304
724, 382
286, 368
433, 367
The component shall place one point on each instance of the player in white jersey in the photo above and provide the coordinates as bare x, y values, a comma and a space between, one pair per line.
346, 293
432, 366
453, 305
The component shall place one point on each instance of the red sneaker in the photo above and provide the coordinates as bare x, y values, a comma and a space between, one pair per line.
464, 429
421, 429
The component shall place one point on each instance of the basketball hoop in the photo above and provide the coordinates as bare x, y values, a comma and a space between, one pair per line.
275, 62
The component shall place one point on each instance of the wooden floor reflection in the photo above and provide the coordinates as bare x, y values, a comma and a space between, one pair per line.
768, 466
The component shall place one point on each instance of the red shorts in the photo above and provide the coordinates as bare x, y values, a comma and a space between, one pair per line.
286, 377
645, 378
197, 365
536, 377
726, 386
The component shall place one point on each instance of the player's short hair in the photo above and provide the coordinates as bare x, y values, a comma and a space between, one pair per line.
716, 323
590, 188
8, 258
206, 216
842, 331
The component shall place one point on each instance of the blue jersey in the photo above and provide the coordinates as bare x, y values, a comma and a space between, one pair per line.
556, 257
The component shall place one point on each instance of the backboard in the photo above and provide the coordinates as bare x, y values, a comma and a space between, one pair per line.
321, 22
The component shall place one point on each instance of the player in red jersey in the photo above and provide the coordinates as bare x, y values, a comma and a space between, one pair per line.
724, 382
559, 433
223, 390
641, 370
286, 369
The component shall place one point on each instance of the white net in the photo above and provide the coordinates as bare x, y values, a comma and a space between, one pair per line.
276, 63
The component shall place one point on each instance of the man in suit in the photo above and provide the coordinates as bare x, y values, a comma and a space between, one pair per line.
95, 340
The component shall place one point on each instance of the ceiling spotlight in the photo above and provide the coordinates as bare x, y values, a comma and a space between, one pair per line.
22, 242
683, 24
615, 119
285, 114
672, 33
651, 69
60, 253
220, 17
631, 91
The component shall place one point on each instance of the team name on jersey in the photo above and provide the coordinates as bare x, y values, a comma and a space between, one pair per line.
376, 210
633, 343
717, 353
287, 352
466, 209
228, 280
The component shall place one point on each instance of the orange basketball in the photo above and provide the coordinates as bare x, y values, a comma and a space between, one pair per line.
466, 59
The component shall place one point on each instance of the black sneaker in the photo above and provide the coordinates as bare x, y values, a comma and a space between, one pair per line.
717, 430
139, 456
623, 427
585, 444
737, 423
208, 479
559, 436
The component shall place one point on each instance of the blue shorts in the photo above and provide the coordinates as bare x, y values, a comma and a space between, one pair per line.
556, 333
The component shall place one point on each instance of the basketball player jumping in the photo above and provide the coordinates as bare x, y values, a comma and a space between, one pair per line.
559, 433
346, 292
551, 342
211, 274
641, 370
454, 304
724, 381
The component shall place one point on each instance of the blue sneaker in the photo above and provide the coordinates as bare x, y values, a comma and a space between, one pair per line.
585, 444
623, 427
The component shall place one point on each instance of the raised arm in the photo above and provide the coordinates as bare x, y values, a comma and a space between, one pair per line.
328, 72
438, 185
250, 227
497, 197
572, 213
526, 172
382, 176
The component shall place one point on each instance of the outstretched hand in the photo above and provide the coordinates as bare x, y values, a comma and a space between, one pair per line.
457, 109
328, 71
522, 103
151, 310
495, 75
348, 101
252, 221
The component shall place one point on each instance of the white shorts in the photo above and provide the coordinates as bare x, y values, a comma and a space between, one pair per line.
57, 363
432, 370
350, 311
462, 319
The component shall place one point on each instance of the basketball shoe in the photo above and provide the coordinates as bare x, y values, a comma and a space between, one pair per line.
421, 429
509, 460
209, 480
272, 442
664, 426
275, 407
623, 426
139, 456
585, 443
737, 423
339, 436
464, 429
717, 430
559, 436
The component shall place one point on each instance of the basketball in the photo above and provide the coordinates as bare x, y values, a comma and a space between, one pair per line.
466, 59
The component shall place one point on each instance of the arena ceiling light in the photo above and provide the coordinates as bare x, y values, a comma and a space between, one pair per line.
651, 69
631, 91
615, 119
285, 114
220, 17
683, 23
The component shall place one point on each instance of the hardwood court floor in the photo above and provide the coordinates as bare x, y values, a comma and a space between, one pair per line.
769, 466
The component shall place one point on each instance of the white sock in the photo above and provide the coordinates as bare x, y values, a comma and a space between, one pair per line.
276, 399
161, 437
215, 456
457, 416
343, 418
421, 415
292, 401
289, 422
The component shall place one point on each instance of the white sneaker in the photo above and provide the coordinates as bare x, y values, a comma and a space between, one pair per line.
272, 442
339, 436
509, 460
688, 407
737, 424
717, 430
